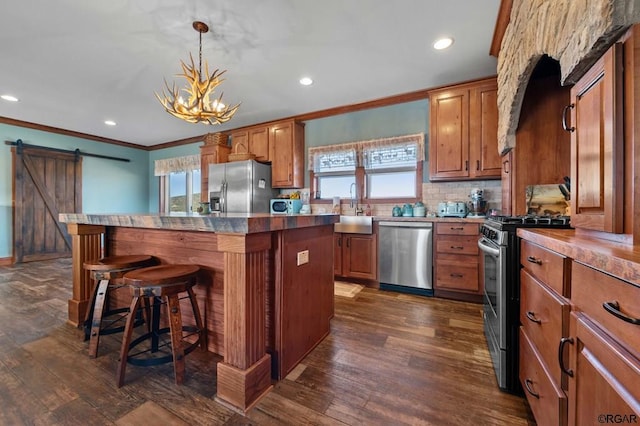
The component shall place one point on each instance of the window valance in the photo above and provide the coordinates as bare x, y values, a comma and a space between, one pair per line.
167, 166
374, 153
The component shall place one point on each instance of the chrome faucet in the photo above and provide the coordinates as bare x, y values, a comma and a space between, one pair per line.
353, 193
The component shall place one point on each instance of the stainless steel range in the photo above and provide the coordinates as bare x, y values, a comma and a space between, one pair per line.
500, 256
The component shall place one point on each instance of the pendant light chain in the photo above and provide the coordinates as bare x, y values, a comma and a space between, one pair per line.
200, 55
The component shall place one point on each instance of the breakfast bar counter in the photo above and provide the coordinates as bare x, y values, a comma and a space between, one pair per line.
265, 285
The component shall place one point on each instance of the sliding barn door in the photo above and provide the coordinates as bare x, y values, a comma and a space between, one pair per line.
45, 183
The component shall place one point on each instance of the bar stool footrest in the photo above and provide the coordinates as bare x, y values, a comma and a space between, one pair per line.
150, 361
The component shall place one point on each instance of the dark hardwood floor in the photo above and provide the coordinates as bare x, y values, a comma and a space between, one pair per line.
390, 359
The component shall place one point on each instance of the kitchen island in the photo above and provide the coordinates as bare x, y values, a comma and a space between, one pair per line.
265, 287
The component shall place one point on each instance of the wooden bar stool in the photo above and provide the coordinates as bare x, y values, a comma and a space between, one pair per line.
163, 284
107, 272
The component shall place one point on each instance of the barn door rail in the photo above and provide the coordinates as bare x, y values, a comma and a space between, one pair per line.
20, 145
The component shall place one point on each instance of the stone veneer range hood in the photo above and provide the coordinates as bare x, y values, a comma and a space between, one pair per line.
573, 32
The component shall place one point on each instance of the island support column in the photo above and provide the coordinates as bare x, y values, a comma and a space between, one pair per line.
86, 244
245, 374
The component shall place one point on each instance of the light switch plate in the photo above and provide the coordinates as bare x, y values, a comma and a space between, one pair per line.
303, 257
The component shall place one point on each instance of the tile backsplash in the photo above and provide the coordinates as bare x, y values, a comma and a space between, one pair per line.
432, 194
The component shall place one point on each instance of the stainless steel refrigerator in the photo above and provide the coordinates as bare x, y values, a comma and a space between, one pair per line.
240, 187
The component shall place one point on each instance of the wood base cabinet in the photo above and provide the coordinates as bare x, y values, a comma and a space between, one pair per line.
456, 273
605, 350
544, 322
355, 256
604, 387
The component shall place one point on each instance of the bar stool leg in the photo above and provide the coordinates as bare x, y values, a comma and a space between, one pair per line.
175, 324
126, 340
96, 320
202, 334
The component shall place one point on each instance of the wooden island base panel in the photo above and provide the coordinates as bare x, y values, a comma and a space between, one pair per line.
264, 310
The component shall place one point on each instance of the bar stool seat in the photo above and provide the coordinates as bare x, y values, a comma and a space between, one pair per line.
107, 272
162, 285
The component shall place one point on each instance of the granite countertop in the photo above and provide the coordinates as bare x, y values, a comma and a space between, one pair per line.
240, 223
614, 258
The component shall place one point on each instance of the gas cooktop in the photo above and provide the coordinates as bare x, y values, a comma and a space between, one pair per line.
540, 221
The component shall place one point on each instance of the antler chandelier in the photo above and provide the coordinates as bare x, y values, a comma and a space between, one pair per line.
199, 106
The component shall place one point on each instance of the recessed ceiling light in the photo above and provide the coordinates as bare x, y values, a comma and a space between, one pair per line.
9, 98
306, 81
443, 43
110, 122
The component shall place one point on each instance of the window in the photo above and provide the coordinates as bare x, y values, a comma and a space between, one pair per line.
179, 184
391, 171
381, 169
335, 173
183, 191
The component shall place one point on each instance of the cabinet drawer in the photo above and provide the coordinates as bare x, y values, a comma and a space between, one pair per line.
547, 401
457, 274
454, 228
592, 289
549, 267
605, 377
545, 318
457, 245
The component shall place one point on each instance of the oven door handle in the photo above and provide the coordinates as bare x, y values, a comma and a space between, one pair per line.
482, 245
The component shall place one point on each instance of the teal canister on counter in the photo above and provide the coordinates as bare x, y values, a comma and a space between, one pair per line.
407, 210
396, 211
419, 210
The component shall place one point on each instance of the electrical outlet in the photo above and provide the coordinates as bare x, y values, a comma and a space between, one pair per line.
303, 257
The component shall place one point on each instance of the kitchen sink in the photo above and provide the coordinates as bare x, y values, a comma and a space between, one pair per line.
354, 225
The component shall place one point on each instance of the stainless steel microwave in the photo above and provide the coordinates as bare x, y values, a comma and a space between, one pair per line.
285, 206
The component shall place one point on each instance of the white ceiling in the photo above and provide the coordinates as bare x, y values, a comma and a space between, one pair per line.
75, 63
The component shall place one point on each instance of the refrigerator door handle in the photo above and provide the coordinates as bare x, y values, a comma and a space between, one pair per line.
223, 198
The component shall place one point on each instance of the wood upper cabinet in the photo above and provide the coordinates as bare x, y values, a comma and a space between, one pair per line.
282, 144
254, 140
507, 183
463, 132
356, 255
485, 161
542, 155
597, 200
286, 145
215, 150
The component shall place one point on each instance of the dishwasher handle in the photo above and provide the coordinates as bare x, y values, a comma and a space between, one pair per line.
424, 225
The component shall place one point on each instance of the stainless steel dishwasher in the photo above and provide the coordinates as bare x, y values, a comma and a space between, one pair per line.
405, 257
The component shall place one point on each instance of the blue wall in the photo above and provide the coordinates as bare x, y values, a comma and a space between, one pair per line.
107, 186
395, 120
117, 187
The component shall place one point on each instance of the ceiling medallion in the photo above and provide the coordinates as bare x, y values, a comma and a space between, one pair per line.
198, 106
